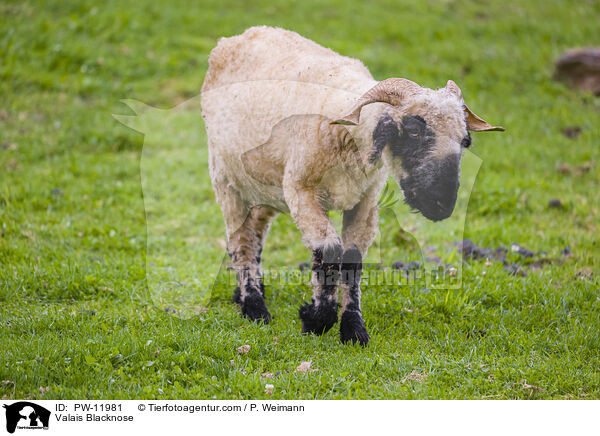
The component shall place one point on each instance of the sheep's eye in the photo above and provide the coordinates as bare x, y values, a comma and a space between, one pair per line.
466, 141
414, 126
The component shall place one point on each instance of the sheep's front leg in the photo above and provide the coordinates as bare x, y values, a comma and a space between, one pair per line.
359, 230
320, 236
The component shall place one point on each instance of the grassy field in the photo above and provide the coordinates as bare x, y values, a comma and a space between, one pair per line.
79, 316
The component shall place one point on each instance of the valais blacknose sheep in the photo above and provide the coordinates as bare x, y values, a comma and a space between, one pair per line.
294, 127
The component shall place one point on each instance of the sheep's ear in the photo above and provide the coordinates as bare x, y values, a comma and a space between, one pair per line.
474, 122
477, 124
453, 88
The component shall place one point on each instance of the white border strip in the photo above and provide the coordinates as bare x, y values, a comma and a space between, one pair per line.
211, 417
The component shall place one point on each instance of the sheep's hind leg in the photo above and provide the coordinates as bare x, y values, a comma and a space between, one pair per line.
245, 248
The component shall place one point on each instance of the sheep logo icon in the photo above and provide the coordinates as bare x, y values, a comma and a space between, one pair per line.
186, 258
26, 415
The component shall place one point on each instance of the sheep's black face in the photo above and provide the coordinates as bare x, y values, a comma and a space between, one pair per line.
429, 182
433, 188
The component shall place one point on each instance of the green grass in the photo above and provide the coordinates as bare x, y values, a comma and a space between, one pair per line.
78, 314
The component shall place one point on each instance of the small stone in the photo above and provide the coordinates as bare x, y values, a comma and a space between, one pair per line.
500, 253
580, 68
244, 349
470, 250
575, 170
572, 132
303, 367
516, 248
399, 265
414, 265
555, 203
564, 168
415, 376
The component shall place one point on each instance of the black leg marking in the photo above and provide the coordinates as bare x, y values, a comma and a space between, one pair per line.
252, 298
237, 296
351, 274
352, 327
253, 306
320, 315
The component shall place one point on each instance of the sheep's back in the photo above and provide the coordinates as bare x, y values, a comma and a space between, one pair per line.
267, 53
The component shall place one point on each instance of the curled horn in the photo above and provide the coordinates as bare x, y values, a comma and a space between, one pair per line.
391, 91
474, 122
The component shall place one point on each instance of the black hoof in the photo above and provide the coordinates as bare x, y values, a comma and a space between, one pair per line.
255, 309
319, 319
352, 329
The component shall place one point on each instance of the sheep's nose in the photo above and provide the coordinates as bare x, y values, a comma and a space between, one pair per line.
445, 209
442, 192
432, 189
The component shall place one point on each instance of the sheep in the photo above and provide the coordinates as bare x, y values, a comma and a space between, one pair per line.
297, 128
